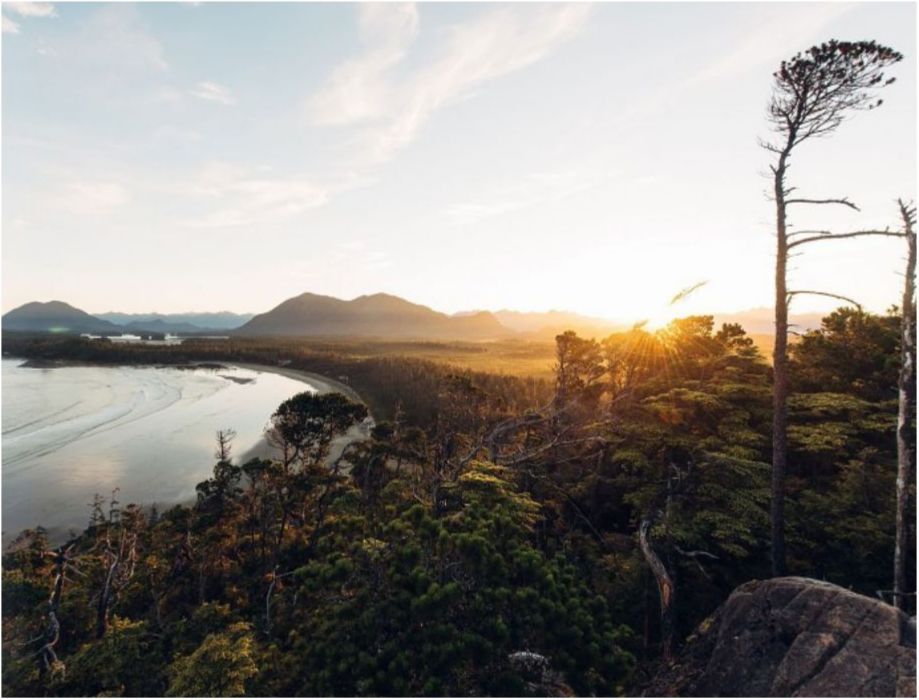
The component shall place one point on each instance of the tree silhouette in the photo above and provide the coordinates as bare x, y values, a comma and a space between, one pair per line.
812, 95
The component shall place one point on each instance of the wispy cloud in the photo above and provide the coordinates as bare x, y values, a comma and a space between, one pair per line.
392, 110
780, 32
31, 9
534, 190
108, 55
213, 92
244, 197
116, 37
24, 9
359, 89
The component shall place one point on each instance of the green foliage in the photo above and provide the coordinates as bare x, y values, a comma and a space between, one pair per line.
853, 353
435, 604
128, 661
308, 421
220, 667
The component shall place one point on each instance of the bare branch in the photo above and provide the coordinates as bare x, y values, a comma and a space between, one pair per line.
908, 214
844, 202
525, 456
694, 554
824, 294
809, 232
851, 234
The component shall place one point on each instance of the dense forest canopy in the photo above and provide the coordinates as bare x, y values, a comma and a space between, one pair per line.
497, 535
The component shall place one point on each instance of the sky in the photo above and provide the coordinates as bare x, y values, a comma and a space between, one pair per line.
596, 158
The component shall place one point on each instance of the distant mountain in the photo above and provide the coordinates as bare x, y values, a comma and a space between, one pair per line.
377, 315
551, 323
55, 317
159, 325
762, 320
179, 323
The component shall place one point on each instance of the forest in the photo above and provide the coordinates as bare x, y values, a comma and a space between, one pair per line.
500, 548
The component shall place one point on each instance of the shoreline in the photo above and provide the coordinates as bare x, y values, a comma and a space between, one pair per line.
262, 450
322, 385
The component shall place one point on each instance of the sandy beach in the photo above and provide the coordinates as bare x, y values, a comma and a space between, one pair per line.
322, 385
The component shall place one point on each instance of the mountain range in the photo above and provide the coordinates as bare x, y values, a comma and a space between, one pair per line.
377, 315
178, 323
761, 320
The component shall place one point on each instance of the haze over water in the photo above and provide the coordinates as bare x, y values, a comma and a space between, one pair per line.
72, 432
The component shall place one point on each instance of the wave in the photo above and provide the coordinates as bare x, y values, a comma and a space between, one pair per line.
156, 394
16, 428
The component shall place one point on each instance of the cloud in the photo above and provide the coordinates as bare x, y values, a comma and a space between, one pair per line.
25, 9
358, 90
533, 190
31, 9
213, 92
244, 197
777, 35
44, 49
362, 92
116, 41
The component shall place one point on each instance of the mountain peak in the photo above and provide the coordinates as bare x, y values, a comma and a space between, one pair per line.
54, 316
378, 315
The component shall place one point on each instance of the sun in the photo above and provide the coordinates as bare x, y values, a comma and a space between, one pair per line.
659, 318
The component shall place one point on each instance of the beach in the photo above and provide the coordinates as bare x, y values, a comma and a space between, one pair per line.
322, 385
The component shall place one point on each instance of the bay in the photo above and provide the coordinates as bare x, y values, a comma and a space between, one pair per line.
72, 432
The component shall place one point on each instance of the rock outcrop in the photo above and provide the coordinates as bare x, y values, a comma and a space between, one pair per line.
795, 637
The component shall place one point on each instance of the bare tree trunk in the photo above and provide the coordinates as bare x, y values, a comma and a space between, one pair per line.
48, 657
105, 599
664, 586
780, 375
905, 381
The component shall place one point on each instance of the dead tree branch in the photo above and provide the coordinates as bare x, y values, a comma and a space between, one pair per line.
844, 202
49, 660
838, 236
665, 585
824, 294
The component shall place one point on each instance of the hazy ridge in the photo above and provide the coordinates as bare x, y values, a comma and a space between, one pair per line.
372, 316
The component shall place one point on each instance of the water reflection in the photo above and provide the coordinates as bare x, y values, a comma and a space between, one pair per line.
72, 432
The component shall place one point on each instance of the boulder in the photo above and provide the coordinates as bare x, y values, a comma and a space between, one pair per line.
796, 637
